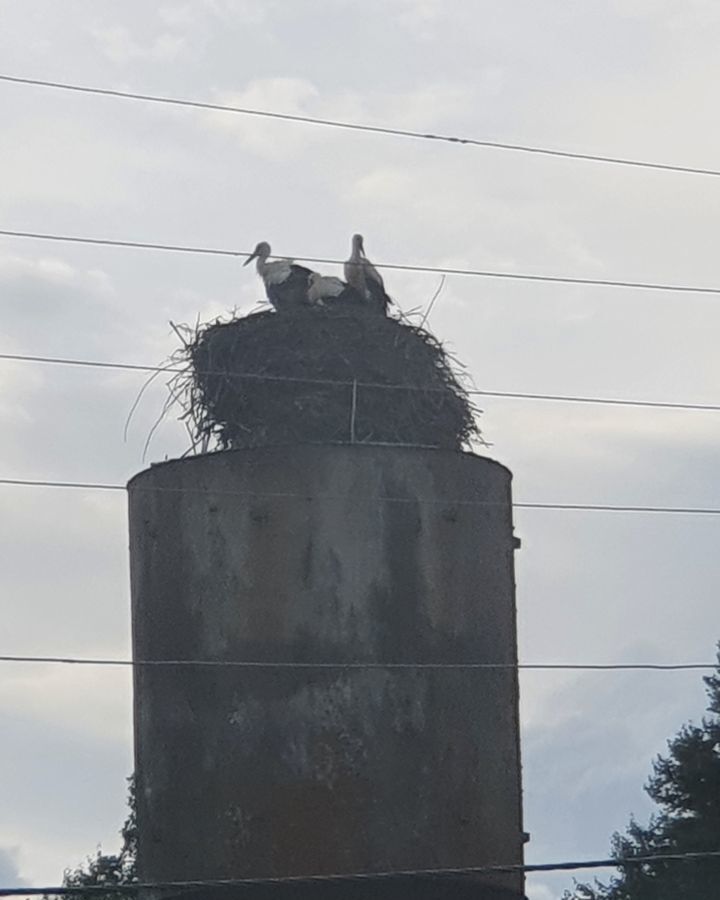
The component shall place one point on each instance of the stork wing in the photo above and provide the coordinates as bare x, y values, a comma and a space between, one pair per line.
371, 273
302, 270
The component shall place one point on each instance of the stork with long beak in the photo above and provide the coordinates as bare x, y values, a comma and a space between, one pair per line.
361, 274
286, 283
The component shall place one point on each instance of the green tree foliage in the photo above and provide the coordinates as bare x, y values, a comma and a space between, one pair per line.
686, 786
109, 869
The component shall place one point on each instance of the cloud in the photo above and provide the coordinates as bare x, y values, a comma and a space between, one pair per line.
540, 892
179, 15
419, 17
75, 165
246, 11
67, 792
118, 45
425, 106
670, 13
9, 872
43, 299
281, 95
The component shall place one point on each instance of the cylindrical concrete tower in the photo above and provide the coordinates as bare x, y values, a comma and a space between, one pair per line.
325, 554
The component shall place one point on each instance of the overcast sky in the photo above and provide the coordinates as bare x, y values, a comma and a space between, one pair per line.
635, 78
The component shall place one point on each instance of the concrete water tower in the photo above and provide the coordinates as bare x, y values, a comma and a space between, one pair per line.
358, 555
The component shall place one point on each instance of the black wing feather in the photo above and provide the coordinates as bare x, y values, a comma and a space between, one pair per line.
291, 292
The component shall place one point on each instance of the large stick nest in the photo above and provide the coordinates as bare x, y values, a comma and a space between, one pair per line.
321, 376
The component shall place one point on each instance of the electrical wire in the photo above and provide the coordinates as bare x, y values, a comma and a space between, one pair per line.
356, 126
479, 273
421, 501
254, 664
255, 376
136, 887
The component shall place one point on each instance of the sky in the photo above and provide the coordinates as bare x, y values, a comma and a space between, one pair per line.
630, 78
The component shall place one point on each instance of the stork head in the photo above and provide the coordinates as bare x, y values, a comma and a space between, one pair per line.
262, 251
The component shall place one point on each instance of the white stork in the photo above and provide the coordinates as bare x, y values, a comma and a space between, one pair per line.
286, 283
327, 287
365, 278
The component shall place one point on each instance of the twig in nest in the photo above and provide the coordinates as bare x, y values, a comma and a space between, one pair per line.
432, 302
174, 396
141, 392
179, 333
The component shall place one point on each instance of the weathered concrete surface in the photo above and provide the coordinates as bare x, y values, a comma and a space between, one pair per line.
324, 554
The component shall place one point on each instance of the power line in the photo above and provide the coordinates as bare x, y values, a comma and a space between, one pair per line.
479, 273
256, 664
255, 376
601, 507
136, 887
356, 126
440, 501
80, 485
611, 401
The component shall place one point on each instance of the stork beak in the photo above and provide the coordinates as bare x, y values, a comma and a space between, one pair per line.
250, 259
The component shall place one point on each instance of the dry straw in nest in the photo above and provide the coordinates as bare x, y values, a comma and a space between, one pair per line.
321, 376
